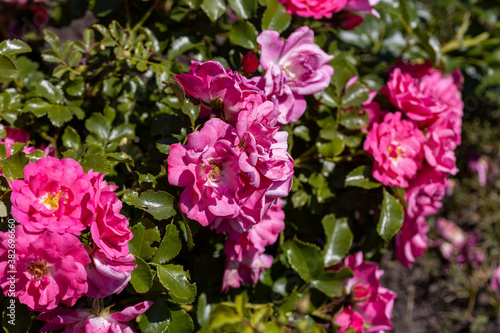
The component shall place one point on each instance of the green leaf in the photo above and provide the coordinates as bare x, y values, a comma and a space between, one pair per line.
112, 86
361, 177
169, 247
181, 322
142, 276
213, 8
300, 198
203, 311
52, 39
88, 38
331, 283
71, 138
223, 315
243, 8
159, 204
391, 217
140, 245
354, 118
13, 47
76, 88
338, 239
95, 161
355, 94
7, 66
193, 4
275, 17
13, 166
178, 90
157, 318
98, 124
305, 258
175, 279
163, 148
191, 110
52, 93
244, 34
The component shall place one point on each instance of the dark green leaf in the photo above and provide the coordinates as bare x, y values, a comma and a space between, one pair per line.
71, 138
244, 34
169, 247
7, 66
275, 17
338, 239
361, 177
142, 276
391, 217
178, 90
175, 279
305, 258
98, 124
76, 88
213, 8
181, 322
140, 245
13, 166
59, 114
244, 8
122, 131
52, 93
96, 162
157, 318
331, 283
191, 110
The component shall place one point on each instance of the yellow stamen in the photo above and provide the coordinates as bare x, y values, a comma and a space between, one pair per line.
52, 201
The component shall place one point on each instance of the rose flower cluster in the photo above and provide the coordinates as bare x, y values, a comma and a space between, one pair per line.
236, 168
413, 148
71, 240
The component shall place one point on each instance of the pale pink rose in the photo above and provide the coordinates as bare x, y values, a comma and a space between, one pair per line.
50, 268
451, 233
396, 146
296, 68
486, 171
84, 320
425, 97
51, 196
220, 90
411, 241
315, 8
108, 228
246, 271
106, 277
425, 191
495, 279
369, 305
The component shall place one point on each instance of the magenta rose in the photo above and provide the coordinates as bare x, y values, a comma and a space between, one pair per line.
315, 8
368, 308
51, 196
50, 268
495, 279
396, 146
85, 320
411, 241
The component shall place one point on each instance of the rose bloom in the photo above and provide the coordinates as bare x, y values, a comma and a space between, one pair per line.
370, 304
297, 67
411, 240
84, 320
220, 90
396, 146
50, 268
495, 279
51, 196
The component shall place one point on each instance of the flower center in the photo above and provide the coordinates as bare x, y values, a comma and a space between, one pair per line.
52, 201
38, 270
395, 152
215, 171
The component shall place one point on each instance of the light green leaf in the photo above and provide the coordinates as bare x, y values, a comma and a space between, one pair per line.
7, 66
243, 8
181, 322
213, 8
361, 177
142, 276
275, 17
13, 166
331, 283
244, 34
10, 47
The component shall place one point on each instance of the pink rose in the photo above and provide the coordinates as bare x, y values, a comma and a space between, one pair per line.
411, 241
296, 68
106, 277
423, 94
109, 228
495, 279
396, 146
50, 268
369, 305
314, 8
220, 90
85, 320
51, 196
